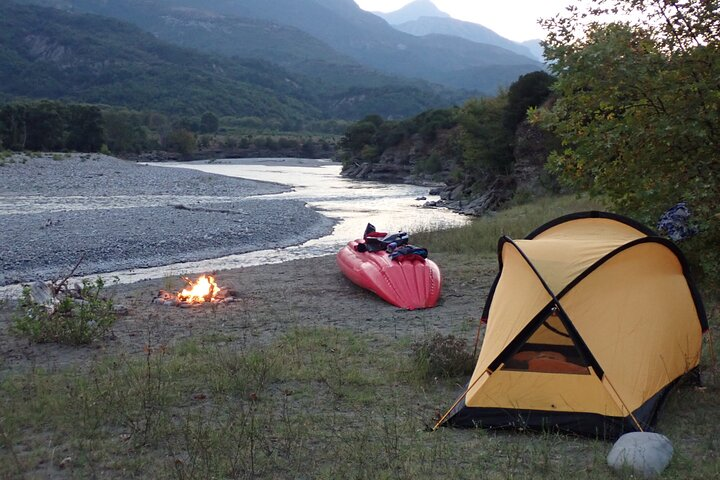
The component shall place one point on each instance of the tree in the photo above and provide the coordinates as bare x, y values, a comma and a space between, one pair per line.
14, 126
85, 132
45, 126
486, 143
209, 123
638, 109
529, 90
181, 141
123, 132
359, 135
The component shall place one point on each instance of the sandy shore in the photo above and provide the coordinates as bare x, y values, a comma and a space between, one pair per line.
272, 300
125, 215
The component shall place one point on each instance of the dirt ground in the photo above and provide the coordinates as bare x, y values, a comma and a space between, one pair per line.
272, 300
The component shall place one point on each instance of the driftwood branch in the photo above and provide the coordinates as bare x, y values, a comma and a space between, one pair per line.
58, 285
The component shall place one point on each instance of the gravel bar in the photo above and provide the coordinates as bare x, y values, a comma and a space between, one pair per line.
119, 215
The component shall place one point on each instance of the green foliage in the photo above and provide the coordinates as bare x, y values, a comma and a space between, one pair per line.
51, 126
209, 123
530, 90
74, 321
489, 125
442, 356
429, 123
483, 145
370, 137
125, 131
432, 164
639, 108
360, 135
487, 144
181, 141
85, 129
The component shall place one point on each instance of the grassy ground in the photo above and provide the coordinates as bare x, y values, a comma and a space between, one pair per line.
323, 400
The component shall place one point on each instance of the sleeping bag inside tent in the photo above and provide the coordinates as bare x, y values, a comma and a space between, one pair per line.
590, 322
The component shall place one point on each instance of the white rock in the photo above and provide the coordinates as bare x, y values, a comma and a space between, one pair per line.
644, 453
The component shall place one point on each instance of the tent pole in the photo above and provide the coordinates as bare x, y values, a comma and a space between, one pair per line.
635, 420
477, 339
459, 399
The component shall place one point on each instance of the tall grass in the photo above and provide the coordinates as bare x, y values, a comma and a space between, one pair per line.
481, 236
317, 403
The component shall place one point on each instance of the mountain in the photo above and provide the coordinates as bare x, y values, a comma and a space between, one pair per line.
412, 11
467, 30
535, 48
97, 59
363, 37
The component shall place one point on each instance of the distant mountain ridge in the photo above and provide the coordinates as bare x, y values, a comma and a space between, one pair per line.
412, 11
422, 17
536, 48
337, 86
350, 31
459, 28
49, 53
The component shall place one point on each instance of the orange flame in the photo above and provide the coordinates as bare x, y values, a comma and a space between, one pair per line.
201, 291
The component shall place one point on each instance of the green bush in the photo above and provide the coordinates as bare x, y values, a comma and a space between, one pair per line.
431, 164
442, 356
74, 321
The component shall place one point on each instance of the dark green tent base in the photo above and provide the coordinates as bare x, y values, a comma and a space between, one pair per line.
586, 424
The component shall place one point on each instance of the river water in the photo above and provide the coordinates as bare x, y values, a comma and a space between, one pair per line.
352, 204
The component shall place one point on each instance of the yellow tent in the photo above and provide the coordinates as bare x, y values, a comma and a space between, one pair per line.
590, 322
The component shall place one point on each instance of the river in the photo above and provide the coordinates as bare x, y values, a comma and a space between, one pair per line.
351, 203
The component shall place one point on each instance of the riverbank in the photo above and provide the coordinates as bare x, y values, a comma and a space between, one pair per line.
305, 374
110, 214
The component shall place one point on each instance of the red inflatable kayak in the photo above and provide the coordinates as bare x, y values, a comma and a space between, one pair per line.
409, 281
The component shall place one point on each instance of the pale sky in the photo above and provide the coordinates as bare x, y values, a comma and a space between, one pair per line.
513, 19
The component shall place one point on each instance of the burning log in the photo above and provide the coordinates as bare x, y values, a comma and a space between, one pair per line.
203, 290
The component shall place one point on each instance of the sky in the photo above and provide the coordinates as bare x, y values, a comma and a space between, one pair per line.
513, 19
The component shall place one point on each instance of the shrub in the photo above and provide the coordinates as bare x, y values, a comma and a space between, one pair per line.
431, 164
75, 320
438, 355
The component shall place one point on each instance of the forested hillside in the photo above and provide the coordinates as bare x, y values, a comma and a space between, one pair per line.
100, 60
474, 148
358, 36
52, 54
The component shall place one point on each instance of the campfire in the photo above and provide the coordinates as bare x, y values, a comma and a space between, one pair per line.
199, 292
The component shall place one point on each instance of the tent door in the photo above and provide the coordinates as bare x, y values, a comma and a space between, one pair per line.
549, 349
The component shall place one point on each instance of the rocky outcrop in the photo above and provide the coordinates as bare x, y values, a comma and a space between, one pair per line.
456, 197
379, 172
399, 164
